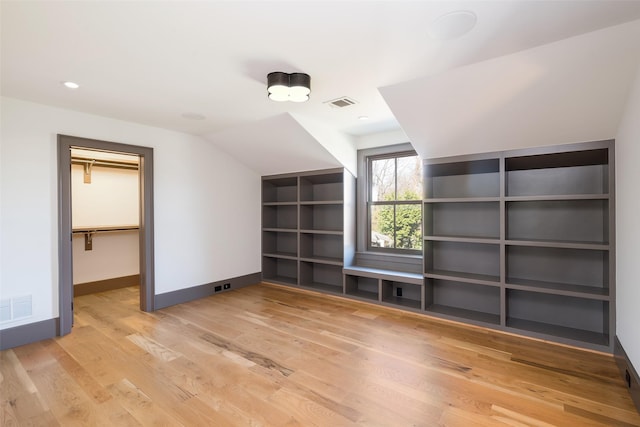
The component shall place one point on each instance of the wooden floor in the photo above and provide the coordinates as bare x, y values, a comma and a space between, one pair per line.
272, 356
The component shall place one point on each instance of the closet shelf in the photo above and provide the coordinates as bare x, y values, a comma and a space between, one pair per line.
76, 160
84, 230
88, 232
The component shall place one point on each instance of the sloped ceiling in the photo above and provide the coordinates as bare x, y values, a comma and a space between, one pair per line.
569, 91
165, 63
275, 145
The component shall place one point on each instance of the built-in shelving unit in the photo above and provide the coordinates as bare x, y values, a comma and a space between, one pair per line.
393, 288
559, 258
307, 228
462, 226
410, 296
521, 240
363, 287
279, 230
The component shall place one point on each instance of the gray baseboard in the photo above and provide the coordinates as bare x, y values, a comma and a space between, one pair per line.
105, 285
196, 292
27, 334
37, 331
629, 373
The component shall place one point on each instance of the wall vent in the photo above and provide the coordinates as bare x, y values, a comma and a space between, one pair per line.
15, 308
341, 102
5, 310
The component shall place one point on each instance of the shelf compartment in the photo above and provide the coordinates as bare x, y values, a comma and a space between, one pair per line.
578, 319
575, 172
280, 216
362, 287
559, 288
480, 279
410, 294
474, 178
572, 268
280, 243
327, 247
324, 277
475, 219
463, 300
464, 239
479, 261
584, 221
280, 190
322, 217
280, 270
325, 187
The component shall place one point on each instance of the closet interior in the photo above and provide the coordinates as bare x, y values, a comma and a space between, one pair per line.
105, 195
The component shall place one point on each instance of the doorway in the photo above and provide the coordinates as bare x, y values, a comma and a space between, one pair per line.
65, 250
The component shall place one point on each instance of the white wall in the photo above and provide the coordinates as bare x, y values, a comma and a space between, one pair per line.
112, 255
628, 226
207, 205
380, 139
111, 199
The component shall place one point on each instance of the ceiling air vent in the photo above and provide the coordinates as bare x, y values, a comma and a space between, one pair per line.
341, 102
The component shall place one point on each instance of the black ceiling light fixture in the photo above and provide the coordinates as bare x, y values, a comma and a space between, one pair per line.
294, 87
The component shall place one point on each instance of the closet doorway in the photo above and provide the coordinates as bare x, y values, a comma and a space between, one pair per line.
77, 151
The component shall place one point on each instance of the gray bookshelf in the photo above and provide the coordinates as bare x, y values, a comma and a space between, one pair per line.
398, 289
462, 225
362, 287
308, 228
400, 293
522, 241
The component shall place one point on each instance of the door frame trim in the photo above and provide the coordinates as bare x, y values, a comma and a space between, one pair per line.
65, 244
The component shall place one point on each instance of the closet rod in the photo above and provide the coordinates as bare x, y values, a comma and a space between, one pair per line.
93, 230
105, 163
89, 232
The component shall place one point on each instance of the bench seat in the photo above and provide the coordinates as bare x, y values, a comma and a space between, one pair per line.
377, 273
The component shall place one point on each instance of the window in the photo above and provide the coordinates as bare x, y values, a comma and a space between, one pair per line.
394, 202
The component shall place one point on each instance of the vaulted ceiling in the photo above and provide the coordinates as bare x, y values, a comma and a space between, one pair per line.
528, 73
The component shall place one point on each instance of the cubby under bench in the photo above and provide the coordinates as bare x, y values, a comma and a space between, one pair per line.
389, 287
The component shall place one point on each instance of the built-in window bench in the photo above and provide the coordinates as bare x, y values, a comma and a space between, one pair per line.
395, 288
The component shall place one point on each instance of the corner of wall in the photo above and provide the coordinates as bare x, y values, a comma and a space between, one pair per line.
628, 371
627, 236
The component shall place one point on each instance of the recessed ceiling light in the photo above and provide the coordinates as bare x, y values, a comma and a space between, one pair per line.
193, 116
452, 25
363, 118
70, 85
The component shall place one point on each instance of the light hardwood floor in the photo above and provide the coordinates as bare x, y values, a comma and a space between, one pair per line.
267, 355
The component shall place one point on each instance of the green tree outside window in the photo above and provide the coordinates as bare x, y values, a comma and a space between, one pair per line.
395, 207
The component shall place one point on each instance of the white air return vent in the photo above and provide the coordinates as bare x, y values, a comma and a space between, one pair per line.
341, 102
16, 308
22, 307
5, 310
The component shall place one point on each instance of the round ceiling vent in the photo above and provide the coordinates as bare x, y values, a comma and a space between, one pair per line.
452, 25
